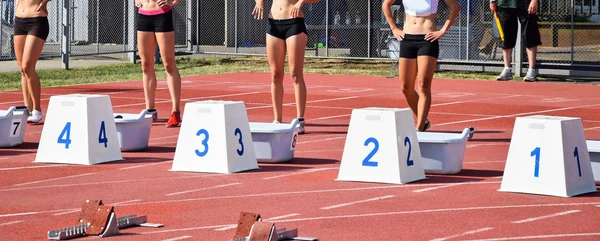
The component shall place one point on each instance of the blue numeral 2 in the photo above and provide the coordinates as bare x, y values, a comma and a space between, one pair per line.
536, 153
576, 154
204, 142
238, 131
366, 161
409, 162
102, 135
65, 136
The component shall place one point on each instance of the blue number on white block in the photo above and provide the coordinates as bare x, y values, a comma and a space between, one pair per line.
65, 136
238, 131
102, 135
366, 161
204, 142
576, 154
409, 162
536, 153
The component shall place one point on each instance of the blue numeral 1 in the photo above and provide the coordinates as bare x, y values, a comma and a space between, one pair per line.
65, 136
576, 154
102, 135
536, 153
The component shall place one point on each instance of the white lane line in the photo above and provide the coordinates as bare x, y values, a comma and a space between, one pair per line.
125, 202
144, 165
356, 202
438, 187
547, 216
268, 219
28, 167
297, 173
464, 234
202, 189
9, 223
67, 212
178, 238
54, 179
540, 236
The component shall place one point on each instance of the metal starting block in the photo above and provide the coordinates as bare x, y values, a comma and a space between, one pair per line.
97, 219
252, 228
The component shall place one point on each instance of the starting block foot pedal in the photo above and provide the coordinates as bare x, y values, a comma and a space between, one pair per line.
252, 228
100, 220
548, 155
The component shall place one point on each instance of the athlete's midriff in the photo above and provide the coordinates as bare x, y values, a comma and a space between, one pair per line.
419, 25
282, 9
150, 7
27, 9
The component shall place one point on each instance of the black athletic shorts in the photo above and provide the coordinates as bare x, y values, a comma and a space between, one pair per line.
286, 28
36, 26
414, 45
156, 23
529, 27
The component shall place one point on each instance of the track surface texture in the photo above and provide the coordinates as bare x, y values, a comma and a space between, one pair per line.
303, 193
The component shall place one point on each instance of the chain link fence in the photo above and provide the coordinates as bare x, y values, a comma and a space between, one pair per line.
348, 29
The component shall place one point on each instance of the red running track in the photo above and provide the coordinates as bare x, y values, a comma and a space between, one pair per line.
303, 193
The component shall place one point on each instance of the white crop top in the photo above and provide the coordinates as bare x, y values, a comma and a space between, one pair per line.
420, 8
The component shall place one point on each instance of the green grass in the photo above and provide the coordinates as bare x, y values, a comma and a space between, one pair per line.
213, 65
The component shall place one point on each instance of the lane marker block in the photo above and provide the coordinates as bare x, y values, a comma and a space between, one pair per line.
594, 150
79, 129
13, 124
381, 146
215, 137
548, 155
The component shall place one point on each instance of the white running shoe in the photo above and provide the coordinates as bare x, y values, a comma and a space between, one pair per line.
35, 117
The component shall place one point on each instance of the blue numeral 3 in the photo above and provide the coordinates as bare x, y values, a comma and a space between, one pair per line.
65, 136
409, 162
366, 161
204, 142
102, 136
238, 131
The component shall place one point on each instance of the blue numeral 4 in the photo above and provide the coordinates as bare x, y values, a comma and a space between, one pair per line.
65, 136
102, 135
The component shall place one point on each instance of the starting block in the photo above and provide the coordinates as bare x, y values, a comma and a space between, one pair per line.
548, 155
443, 153
215, 137
594, 150
381, 146
13, 124
252, 228
274, 142
79, 129
133, 130
100, 220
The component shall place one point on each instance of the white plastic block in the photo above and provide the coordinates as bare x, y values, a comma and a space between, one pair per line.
274, 142
548, 155
215, 137
594, 150
79, 129
13, 125
443, 153
133, 130
381, 146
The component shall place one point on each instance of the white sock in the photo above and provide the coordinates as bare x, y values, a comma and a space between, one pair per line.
508, 68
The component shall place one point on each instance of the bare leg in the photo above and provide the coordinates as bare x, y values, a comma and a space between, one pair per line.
507, 54
531, 56
426, 69
295, 49
407, 73
146, 46
166, 42
31, 54
19, 41
276, 56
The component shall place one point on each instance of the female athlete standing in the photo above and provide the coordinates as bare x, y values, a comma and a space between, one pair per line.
419, 50
155, 25
31, 28
286, 33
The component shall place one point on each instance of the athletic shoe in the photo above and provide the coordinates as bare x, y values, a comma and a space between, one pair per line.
174, 120
154, 114
531, 76
301, 121
276, 122
35, 116
427, 125
505, 75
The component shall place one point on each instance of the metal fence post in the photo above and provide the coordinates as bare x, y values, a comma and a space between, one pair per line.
326, 28
131, 34
66, 40
518, 53
189, 13
572, 31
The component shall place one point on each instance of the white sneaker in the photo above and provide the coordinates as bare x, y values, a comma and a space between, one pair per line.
35, 116
531, 76
505, 75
